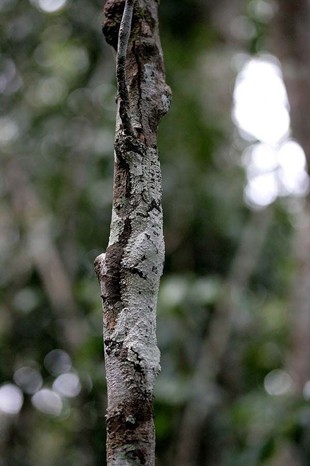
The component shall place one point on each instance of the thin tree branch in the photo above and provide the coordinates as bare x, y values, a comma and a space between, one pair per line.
121, 75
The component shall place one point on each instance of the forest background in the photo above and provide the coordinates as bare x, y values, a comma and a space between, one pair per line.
234, 304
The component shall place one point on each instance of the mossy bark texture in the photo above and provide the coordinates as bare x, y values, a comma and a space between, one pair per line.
130, 270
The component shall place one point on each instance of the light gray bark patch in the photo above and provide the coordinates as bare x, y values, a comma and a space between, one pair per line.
133, 266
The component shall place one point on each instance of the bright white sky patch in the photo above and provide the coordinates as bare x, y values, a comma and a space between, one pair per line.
292, 173
259, 158
273, 172
291, 157
261, 105
261, 190
275, 166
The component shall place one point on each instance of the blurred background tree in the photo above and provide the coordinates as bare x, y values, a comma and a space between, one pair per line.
233, 311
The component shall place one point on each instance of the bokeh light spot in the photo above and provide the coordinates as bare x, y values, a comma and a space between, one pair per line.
67, 385
49, 6
261, 104
261, 190
11, 399
278, 382
28, 379
26, 300
57, 362
47, 401
8, 131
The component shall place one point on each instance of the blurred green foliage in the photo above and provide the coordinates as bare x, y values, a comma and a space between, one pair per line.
56, 135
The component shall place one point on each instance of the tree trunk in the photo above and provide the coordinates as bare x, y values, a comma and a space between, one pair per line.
291, 42
130, 271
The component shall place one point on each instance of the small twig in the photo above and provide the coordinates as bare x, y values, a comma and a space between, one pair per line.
121, 75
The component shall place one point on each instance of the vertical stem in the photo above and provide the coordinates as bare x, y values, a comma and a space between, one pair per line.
130, 270
123, 39
290, 37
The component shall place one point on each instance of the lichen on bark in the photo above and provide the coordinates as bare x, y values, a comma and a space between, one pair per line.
130, 270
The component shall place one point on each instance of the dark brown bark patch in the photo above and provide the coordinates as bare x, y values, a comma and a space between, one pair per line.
113, 11
112, 277
129, 426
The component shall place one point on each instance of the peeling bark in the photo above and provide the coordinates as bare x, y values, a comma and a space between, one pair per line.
130, 270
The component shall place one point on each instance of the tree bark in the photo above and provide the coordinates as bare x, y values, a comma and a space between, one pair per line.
290, 37
130, 270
